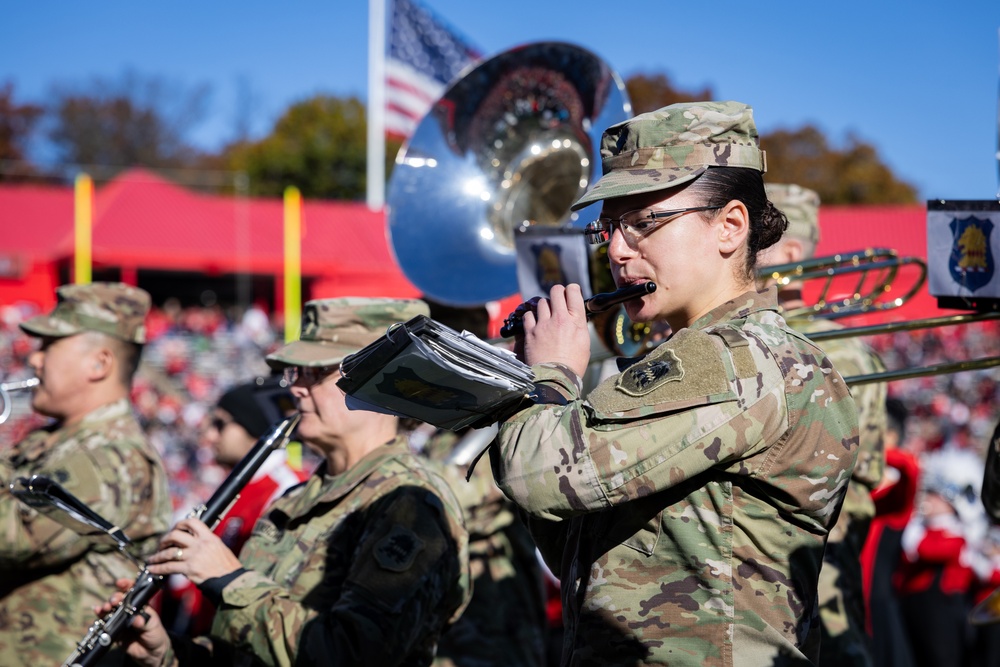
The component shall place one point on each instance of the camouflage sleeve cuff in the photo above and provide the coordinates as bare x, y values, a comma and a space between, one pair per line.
247, 589
212, 588
184, 650
560, 378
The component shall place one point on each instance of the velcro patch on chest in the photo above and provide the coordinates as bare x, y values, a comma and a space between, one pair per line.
686, 370
398, 550
644, 377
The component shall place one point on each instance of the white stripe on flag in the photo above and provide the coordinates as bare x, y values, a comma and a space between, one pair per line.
409, 95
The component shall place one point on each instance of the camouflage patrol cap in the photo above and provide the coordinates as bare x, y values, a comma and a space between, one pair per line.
335, 328
115, 309
800, 205
674, 145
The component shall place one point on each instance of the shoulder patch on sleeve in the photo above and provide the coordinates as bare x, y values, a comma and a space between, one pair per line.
398, 550
644, 377
685, 369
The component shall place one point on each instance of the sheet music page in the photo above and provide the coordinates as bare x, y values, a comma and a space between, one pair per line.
430, 372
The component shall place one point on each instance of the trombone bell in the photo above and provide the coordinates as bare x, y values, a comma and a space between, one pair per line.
850, 283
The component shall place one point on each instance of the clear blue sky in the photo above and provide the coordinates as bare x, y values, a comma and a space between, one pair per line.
918, 80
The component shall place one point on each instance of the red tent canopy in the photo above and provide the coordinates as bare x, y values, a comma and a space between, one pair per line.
143, 221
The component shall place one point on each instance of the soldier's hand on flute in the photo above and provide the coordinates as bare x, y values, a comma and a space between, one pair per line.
193, 550
556, 331
146, 641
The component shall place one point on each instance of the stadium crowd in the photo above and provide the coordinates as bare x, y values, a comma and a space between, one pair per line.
192, 356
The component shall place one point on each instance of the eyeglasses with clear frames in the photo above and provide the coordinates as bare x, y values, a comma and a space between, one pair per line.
309, 374
634, 225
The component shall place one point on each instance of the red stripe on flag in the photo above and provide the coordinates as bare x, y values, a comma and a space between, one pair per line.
410, 88
404, 111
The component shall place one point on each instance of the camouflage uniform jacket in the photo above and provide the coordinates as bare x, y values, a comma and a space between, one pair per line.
685, 503
364, 568
505, 621
50, 577
845, 641
852, 357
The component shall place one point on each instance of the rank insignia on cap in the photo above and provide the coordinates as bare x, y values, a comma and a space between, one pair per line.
397, 550
644, 377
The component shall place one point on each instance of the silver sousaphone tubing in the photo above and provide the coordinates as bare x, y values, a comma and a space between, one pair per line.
514, 141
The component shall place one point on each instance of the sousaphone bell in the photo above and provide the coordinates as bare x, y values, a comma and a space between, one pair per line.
514, 141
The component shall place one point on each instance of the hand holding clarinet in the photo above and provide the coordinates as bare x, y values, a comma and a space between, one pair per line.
190, 549
206, 558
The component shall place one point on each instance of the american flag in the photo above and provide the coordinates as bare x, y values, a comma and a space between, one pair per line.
424, 55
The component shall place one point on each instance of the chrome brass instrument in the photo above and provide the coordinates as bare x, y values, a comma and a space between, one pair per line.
513, 142
876, 270
912, 325
103, 633
5, 400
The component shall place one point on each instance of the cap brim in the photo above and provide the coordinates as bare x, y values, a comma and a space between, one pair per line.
309, 353
627, 182
46, 326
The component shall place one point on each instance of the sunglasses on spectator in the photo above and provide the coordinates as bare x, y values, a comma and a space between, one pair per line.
219, 423
309, 374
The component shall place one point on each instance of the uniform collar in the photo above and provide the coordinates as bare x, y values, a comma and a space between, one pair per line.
740, 308
119, 408
336, 486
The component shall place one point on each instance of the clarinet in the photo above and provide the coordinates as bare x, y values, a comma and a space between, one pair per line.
594, 305
103, 633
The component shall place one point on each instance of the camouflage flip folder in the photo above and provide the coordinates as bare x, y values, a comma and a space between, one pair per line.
428, 371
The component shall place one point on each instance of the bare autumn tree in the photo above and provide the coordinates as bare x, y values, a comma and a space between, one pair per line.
852, 174
17, 122
134, 121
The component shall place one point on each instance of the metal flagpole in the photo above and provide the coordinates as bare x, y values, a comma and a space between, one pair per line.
376, 104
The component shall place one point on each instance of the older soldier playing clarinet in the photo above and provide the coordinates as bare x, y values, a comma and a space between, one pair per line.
365, 563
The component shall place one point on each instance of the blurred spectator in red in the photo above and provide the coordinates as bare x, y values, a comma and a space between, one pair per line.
241, 416
935, 578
